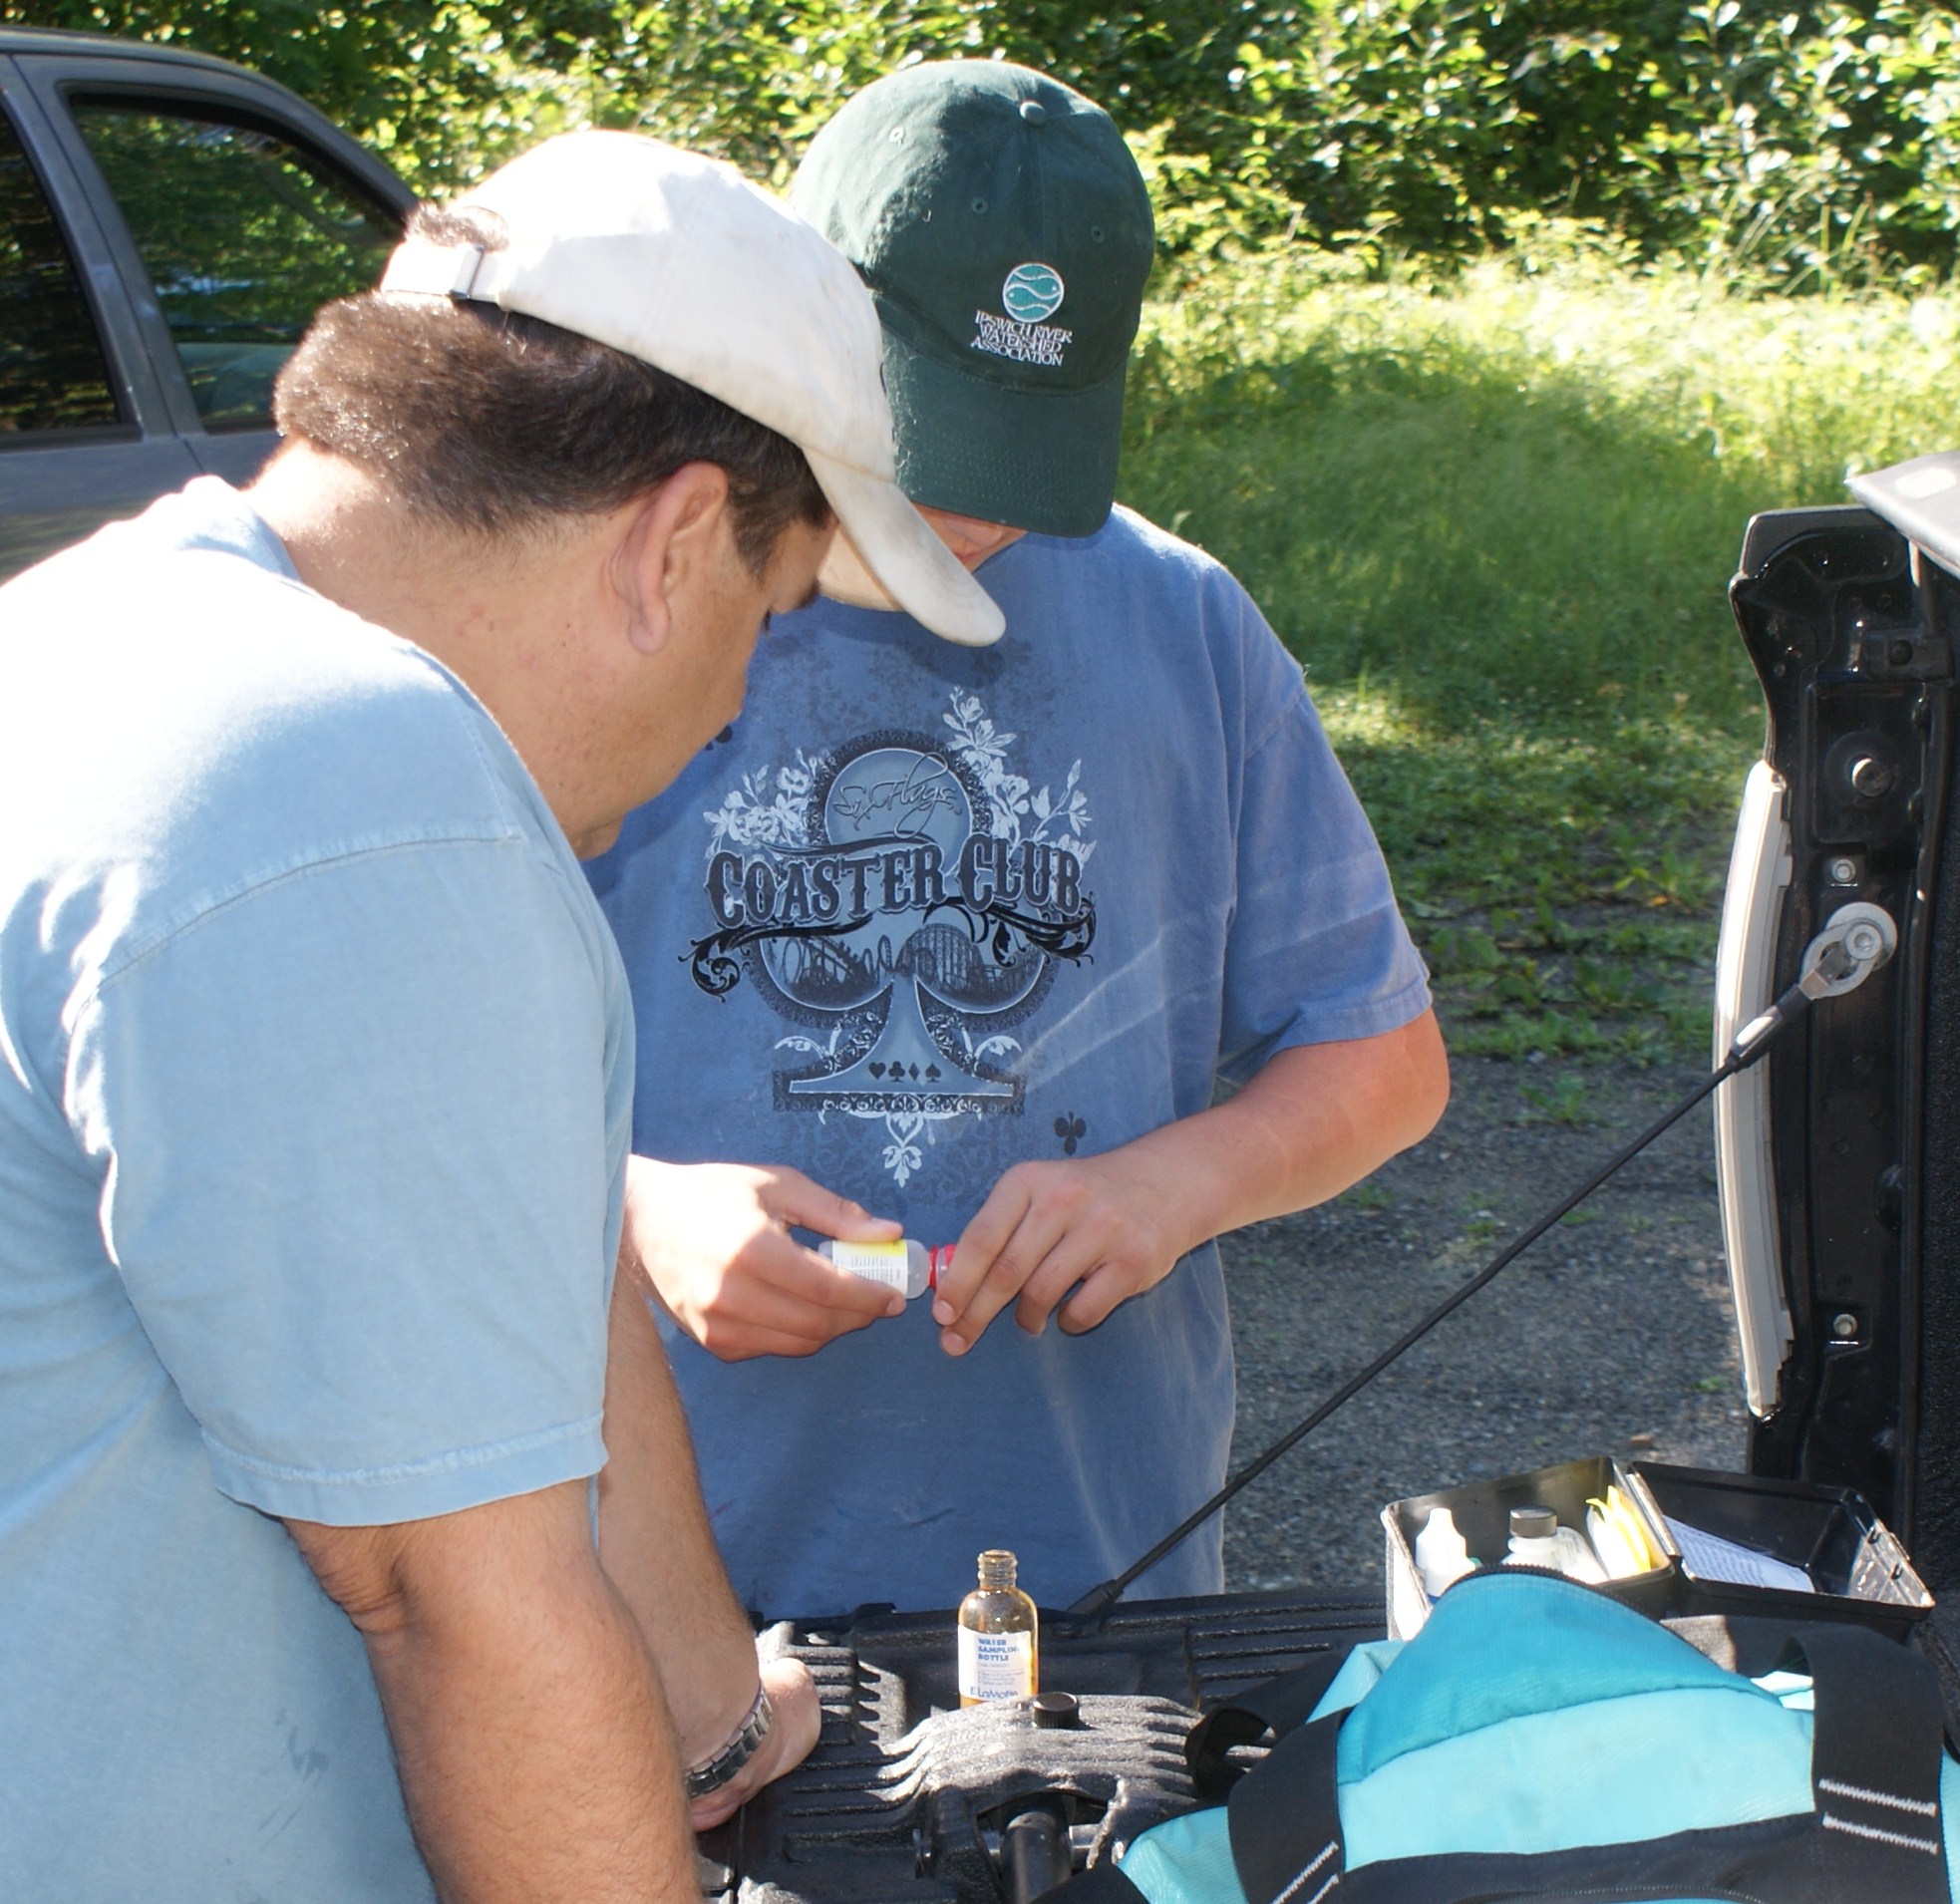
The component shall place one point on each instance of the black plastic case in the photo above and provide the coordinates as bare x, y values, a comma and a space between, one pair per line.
1856, 1562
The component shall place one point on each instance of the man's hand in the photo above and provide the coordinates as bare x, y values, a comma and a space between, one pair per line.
1111, 1223
714, 1241
792, 1693
1314, 1120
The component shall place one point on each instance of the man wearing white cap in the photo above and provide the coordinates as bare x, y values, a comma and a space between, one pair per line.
315, 1070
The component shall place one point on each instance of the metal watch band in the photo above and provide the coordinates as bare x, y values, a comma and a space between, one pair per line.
714, 1773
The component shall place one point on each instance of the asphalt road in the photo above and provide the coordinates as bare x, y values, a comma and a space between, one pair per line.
1612, 1335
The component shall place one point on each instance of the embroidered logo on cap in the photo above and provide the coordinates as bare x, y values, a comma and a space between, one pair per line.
1032, 292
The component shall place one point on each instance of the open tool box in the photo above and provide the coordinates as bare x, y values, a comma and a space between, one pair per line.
1724, 1539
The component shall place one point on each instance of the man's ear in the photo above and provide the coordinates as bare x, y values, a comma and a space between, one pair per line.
670, 548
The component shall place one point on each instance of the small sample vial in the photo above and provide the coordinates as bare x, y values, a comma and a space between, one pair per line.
999, 1646
907, 1265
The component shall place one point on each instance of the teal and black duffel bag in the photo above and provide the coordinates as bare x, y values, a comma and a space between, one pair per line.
1538, 1740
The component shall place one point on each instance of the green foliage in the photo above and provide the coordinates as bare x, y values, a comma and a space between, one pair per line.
1810, 142
1495, 517
1803, 137
379, 70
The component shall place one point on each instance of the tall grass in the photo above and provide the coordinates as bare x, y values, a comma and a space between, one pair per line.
1495, 516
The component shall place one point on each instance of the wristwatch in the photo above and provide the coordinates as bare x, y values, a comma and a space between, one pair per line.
713, 1774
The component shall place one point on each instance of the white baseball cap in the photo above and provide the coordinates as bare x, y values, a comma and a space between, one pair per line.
678, 260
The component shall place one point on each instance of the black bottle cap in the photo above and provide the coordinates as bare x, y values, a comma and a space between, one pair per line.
1057, 1710
1533, 1523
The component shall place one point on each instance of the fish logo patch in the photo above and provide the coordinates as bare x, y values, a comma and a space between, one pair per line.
1032, 293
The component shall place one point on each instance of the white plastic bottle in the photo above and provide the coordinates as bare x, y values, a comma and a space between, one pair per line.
1442, 1556
1537, 1540
905, 1265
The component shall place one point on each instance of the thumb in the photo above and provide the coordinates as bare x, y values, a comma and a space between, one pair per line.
795, 1200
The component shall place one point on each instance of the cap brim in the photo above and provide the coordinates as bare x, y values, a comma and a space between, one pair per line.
917, 569
1040, 459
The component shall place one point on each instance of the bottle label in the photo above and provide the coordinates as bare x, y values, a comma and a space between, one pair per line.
996, 1664
877, 1262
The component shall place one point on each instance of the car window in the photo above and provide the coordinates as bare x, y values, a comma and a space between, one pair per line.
245, 236
53, 375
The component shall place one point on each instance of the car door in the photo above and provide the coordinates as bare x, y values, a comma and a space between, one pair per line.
221, 213
1839, 1159
86, 431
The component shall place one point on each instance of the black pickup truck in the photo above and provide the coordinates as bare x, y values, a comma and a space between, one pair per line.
168, 225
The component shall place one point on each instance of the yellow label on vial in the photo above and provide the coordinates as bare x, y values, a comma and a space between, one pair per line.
876, 1262
996, 1664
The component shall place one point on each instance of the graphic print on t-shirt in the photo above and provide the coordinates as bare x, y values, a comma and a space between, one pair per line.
903, 899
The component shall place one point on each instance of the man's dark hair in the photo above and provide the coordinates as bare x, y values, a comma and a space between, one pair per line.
491, 422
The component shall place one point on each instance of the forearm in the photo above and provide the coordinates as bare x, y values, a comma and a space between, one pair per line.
529, 1736
540, 1771
655, 1542
1313, 1121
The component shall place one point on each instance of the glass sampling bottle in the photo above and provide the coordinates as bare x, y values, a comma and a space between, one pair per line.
905, 1265
998, 1642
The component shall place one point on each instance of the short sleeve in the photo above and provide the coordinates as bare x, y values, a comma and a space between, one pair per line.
1316, 949
359, 1180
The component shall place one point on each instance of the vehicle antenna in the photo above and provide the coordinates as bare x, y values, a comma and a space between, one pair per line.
1839, 960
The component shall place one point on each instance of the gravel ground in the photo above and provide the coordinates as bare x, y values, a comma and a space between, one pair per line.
1612, 1335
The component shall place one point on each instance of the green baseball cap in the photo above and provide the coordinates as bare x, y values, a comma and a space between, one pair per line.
1005, 232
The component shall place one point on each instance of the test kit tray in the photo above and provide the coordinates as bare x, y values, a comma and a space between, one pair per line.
1734, 1544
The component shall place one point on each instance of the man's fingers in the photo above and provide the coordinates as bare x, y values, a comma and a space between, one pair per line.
1071, 1259
802, 1295
980, 1243
746, 1342
792, 1197
816, 1281
1104, 1289
788, 1302
1038, 1232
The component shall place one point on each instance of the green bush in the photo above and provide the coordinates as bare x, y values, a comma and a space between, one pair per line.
1795, 136
1809, 143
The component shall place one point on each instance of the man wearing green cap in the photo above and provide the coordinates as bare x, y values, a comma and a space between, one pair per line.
971, 934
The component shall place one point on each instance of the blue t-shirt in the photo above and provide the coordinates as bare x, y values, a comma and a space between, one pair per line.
928, 911
314, 1096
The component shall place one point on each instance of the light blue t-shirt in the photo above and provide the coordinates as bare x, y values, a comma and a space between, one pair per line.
314, 1094
927, 911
